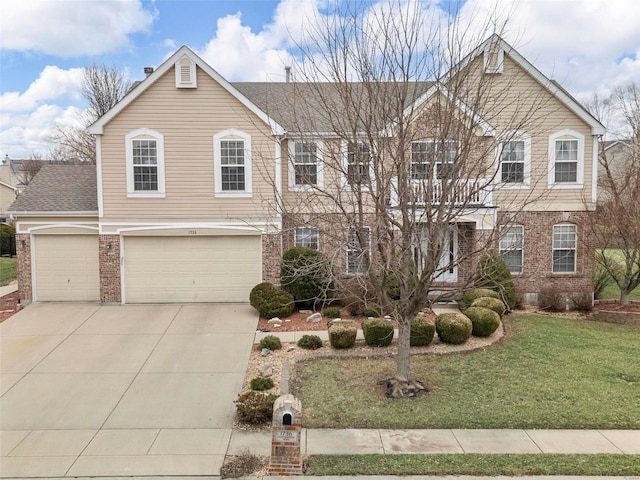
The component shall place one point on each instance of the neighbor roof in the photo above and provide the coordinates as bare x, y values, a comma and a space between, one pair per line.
59, 189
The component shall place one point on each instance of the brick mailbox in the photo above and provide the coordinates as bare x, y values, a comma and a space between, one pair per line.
286, 430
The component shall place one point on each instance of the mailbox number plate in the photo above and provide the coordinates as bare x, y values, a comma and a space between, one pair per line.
286, 436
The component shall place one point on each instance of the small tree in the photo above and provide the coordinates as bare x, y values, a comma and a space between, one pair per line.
306, 274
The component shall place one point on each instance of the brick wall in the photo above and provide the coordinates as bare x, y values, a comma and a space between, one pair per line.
23, 254
271, 257
109, 258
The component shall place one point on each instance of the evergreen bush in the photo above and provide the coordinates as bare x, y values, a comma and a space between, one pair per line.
372, 310
310, 342
255, 407
261, 383
306, 274
270, 301
494, 274
472, 295
331, 312
270, 342
453, 327
422, 331
484, 321
378, 332
342, 336
494, 304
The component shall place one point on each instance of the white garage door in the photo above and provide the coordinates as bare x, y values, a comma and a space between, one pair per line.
66, 268
191, 269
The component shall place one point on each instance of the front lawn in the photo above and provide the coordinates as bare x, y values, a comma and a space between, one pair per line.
8, 270
549, 373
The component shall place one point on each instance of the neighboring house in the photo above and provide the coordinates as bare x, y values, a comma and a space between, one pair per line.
183, 204
617, 156
9, 188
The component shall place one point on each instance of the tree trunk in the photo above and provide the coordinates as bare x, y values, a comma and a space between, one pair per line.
404, 337
624, 298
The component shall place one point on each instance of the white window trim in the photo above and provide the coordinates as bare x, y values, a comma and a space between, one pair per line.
348, 250
516, 136
521, 249
295, 236
159, 138
344, 147
217, 164
575, 248
291, 165
579, 183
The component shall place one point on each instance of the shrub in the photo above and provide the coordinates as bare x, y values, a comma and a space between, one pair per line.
341, 321
310, 342
255, 407
453, 327
484, 321
270, 301
378, 332
270, 342
342, 336
331, 312
354, 294
261, 383
306, 274
241, 465
422, 331
491, 303
372, 310
601, 279
472, 295
553, 300
392, 283
494, 274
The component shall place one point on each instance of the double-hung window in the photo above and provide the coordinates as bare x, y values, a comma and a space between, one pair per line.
512, 162
564, 248
430, 157
358, 250
306, 237
358, 163
511, 249
566, 159
144, 151
306, 164
232, 160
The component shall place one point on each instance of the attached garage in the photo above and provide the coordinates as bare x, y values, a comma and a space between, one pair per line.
66, 268
165, 269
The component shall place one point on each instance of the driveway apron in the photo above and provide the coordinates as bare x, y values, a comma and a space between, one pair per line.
134, 390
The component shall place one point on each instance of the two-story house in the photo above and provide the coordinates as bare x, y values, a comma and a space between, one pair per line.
193, 196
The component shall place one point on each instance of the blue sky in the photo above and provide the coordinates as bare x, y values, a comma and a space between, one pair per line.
587, 45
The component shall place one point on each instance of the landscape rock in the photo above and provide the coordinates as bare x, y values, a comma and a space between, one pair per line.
266, 370
264, 352
275, 320
314, 318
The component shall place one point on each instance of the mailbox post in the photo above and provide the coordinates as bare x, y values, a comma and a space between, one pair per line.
286, 430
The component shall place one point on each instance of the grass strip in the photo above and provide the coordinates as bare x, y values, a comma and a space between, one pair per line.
8, 270
473, 464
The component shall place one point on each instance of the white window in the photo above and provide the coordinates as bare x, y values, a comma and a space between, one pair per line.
564, 248
306, 237
144, 150
358, 250
358, 163
566, 159
232, 161
511, 249
305, 167
514, 160
430, 157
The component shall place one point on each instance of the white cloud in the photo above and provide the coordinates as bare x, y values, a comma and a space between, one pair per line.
71, 27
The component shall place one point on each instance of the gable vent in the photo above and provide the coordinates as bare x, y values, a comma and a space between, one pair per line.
185, 73
493, 59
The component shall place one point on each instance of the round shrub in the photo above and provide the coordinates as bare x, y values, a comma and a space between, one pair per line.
453, 328
255, 407
493, 273
491, 303
422, 331
342, 336
310, 342
270, 301
270, 342
341, 321
261, 383
331, 312
372, 310
306, 274
484, 321
378, 332
471, 295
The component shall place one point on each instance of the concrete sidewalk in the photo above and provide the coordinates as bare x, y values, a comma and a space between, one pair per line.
374, 441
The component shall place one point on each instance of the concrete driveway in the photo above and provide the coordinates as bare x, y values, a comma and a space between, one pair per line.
137, 390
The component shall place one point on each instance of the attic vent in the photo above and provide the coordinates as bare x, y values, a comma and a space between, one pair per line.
185, 73
493, 59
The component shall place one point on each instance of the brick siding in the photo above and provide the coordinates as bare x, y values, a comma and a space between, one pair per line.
109, 258
23, 254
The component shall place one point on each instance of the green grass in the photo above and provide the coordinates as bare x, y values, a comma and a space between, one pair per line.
549, 373
473, 464
611, 291
8, 270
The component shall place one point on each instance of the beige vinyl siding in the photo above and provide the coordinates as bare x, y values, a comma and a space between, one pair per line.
188, 119
57, 225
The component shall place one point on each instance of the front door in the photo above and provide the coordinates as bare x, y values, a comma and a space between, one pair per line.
446, 269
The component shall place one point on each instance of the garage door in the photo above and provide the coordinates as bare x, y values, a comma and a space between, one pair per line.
66, 268
191, 269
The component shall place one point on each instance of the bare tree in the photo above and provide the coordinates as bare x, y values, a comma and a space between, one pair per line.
410, 126
103, 86
617, 226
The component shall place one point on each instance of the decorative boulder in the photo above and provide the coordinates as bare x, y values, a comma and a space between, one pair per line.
314, 318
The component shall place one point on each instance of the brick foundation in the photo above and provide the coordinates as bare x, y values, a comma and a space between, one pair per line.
23, 254
109, 258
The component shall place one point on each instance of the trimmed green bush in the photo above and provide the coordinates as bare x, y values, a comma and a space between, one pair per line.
484, 321
471, 295
342, 336
306, 274
422, 331
453, 327
494, 304
255, 407
270, 301
341, 321
261, 383
331, 312
378, 332
310, 342
372, 310
494, 274
271, 342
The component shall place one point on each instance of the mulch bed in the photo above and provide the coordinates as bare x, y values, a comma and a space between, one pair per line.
8, 306
297, 322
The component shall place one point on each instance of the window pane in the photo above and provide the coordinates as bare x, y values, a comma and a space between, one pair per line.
232, 152
232, 178
564, 248
306, 237
358, 163
564, 261
566, 172
566, 150
145, 152
357, 261
306, 153
511, 248
145, 178
512, 172
232, 165
306, 174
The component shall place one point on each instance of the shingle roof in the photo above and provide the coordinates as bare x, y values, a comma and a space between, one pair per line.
59, 188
